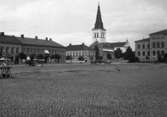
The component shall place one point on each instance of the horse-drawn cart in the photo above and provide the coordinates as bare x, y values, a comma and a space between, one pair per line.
5, 72
5, 69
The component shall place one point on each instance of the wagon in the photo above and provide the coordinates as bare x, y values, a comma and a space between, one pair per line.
5, 70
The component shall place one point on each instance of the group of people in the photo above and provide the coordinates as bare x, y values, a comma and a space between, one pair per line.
33, 62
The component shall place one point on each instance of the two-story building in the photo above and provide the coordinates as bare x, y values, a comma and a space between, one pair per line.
75, 52
12, 46
150, 49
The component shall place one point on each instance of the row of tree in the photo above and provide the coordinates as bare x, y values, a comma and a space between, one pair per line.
80, 58
22, 56
128, 55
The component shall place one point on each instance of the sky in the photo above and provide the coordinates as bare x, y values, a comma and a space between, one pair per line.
71, 21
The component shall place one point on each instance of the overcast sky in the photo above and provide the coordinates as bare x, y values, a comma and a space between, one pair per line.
71, 21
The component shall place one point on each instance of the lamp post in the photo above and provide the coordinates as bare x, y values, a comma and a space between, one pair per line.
46, 52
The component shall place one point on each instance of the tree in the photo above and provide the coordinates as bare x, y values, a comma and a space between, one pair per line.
57, 57
22, 55
68, 57
32, 56
46, 57
109, 57
1, 51
97, 54
165, 58
118, 53
81, 58
130, 55
40, 56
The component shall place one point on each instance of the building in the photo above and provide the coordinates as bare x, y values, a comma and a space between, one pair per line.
37, 47
99, 40
150, 49
77, 52
12, 47
142, 49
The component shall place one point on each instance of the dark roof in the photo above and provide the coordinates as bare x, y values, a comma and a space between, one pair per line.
114, 45
38, 42
99, 22
7, 39
110, 45
142, 40
77, 47
163, 32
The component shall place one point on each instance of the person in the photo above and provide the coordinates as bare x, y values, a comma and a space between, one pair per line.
4, 64
5, 70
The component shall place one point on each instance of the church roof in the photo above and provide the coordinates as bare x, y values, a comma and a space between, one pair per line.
114, 45
109, 45
99, 22
77, 47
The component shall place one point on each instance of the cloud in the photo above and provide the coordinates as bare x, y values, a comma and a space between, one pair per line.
72, 20
74, 38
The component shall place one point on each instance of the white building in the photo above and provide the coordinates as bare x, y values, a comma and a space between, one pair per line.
77, 51
152, 48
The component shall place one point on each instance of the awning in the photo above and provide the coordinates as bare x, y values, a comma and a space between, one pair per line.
46, 51
108, 50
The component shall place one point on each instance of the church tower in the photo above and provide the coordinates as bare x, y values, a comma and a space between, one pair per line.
98, 31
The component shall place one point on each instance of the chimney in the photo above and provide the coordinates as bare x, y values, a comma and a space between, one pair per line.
46, 38
83, 44
22, 35
2, 33
50, 39
36, 37
70, 44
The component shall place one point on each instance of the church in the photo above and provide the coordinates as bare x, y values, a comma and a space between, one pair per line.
105, 49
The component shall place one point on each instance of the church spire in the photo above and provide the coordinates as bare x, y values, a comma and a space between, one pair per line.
99, 22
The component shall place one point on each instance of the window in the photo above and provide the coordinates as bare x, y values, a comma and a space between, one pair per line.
148, 46
7, 49
138, 53
162, 44
143, 53
97, 35
158, 52
23, 50
27, 50
1, 50
17, 50
12, 50
138, 46
162, 52
143, 46
158, 45
148, 53
102, 35
153, 44
153, 53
